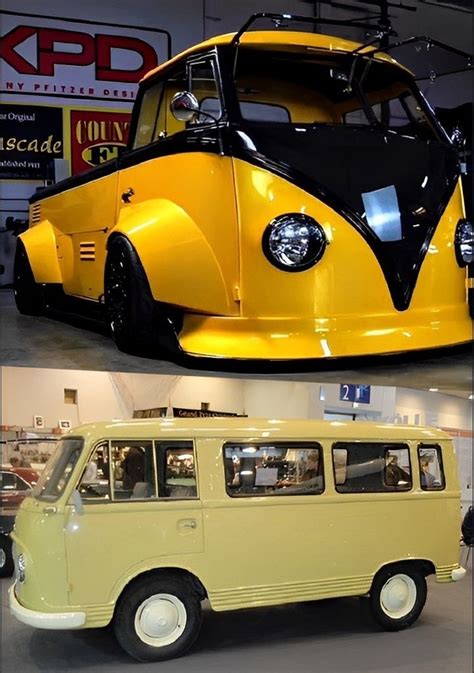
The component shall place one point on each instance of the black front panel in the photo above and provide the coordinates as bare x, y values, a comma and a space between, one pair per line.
346, 166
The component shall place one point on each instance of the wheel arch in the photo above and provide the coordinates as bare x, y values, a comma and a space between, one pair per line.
174, 571
40, 246
425, 565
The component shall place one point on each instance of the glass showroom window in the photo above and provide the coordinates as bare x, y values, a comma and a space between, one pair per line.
370, 467
280, 468
431, 468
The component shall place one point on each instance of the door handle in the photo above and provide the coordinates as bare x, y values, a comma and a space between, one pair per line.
188, 523
50, 509
127, 195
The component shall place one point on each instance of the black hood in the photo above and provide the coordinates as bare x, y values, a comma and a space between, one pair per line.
340, 164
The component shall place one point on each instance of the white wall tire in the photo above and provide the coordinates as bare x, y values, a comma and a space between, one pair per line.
397, 596
158, 617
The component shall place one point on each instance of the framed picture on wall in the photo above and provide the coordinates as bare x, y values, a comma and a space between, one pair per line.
64, 426
38, 422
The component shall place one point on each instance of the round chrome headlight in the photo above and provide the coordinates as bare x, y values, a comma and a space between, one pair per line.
294, 242
463, 242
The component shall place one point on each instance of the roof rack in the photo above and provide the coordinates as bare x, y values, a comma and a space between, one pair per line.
280, 20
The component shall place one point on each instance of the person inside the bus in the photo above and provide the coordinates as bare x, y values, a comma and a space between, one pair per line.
394, 474
427, 479
312, 467
133, 467
310, 480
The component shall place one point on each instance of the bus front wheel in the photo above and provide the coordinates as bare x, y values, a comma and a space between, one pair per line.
157, 618
397, 597
138, 324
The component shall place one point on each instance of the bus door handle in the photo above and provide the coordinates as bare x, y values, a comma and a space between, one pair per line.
187, 523
50, 509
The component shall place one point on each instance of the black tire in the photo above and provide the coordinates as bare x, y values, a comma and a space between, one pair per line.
132, 315
28, 293
6, 556
397, 596
131, 618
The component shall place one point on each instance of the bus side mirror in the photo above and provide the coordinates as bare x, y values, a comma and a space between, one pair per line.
184, 106
76, 502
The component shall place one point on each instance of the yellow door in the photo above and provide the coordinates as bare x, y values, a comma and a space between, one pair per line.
140, 511
110, 543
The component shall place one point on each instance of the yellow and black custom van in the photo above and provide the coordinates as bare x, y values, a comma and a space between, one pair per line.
284, 195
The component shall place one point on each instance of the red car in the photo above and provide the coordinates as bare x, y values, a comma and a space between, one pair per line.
15, 484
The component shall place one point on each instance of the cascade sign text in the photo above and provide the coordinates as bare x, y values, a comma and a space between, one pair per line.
31, 137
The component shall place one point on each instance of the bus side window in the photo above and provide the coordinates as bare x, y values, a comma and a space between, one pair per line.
205, 87
274, 469
95, 480
431, 468
147, 120
176, 469
371, 467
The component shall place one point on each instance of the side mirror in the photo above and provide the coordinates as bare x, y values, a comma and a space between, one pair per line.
76, 502
184, 106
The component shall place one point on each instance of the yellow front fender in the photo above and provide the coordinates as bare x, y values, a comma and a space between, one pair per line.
178, 260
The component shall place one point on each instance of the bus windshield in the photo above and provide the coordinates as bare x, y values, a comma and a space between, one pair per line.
58, 470
300, 87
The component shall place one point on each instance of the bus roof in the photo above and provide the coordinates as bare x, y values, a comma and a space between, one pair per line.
255, 429
274, 39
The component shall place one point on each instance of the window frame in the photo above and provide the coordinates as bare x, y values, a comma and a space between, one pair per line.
213, 56
288, 444
342, 444
111, 499
439, 452
161, 471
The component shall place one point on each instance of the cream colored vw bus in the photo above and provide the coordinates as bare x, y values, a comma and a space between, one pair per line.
136, 523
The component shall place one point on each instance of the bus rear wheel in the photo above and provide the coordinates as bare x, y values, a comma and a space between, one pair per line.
158, 618
28, 294
397, 597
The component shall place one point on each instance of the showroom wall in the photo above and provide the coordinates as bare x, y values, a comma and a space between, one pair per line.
433, 408
103, 395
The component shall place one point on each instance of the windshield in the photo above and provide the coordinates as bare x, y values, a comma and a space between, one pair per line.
307, 88
58, 469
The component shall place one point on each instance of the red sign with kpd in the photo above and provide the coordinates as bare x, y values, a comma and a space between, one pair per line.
97, 137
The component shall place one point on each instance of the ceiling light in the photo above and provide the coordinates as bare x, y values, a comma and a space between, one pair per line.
434, 390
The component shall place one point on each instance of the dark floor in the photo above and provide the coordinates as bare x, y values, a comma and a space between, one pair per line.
323, 637
53, 343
